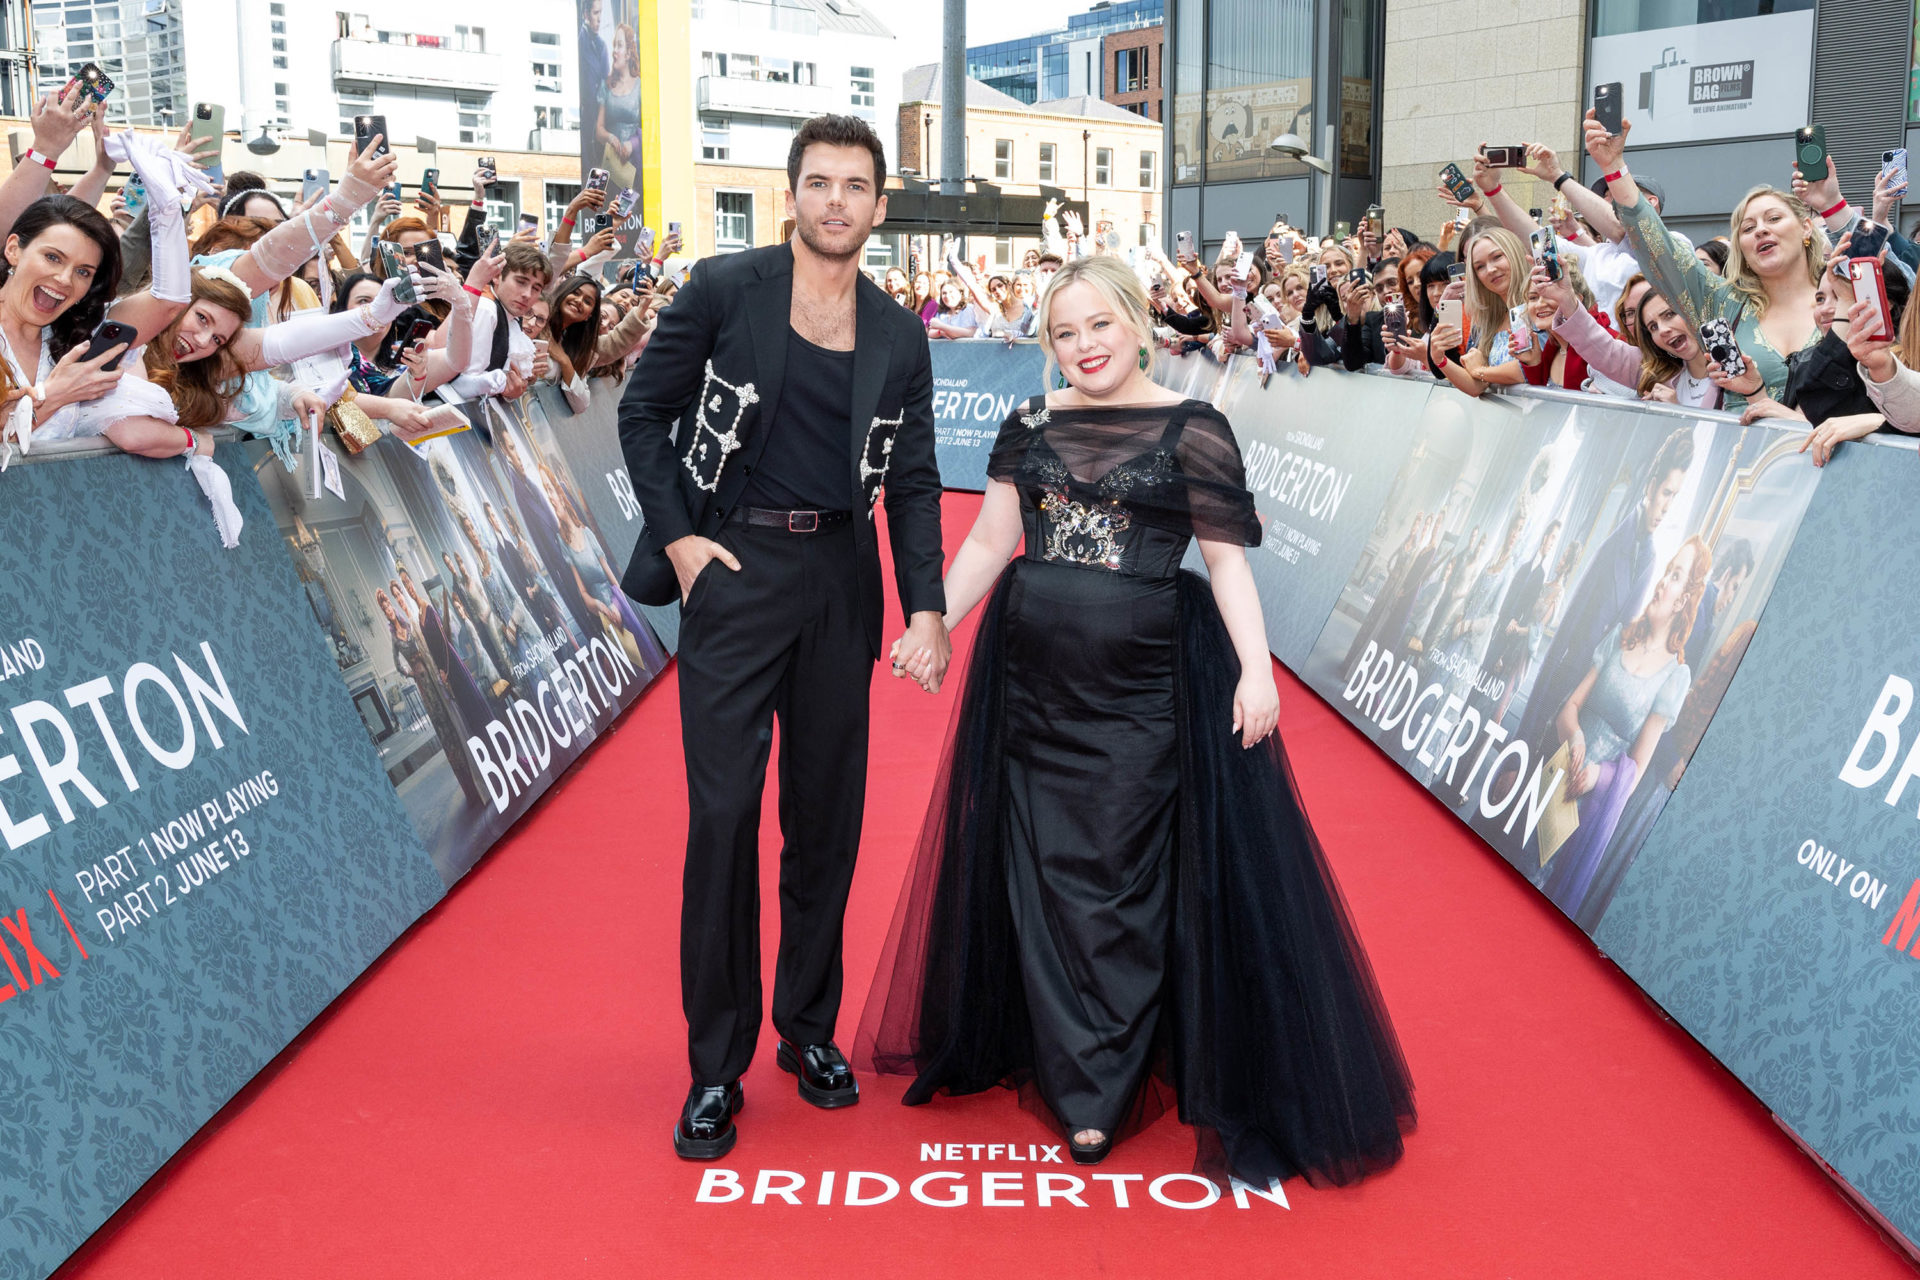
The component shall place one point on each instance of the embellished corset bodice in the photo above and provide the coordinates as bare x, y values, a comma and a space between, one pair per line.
1124, 490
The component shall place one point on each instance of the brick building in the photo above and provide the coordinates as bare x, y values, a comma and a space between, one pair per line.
1135, 75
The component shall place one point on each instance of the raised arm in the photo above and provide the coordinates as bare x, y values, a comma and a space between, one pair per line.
280, 252
1678, 277
1544, 164
164, 171
312, 332
57, 121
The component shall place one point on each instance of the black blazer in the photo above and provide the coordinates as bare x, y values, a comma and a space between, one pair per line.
692, 424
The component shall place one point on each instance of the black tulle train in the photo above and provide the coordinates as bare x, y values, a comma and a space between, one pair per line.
1275, 1044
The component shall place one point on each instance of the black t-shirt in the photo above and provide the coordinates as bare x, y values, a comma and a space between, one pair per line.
808, 460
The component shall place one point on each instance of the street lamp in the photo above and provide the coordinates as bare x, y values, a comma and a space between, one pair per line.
1290, 146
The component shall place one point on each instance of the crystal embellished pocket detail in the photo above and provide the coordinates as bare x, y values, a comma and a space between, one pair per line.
1084, 534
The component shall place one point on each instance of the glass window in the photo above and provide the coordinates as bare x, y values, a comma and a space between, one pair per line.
715, 139
559, 196
1148, 162
1621, 17
1356, 87
543, 37
1259, 85
1189, 68
1129, 70
862, 82
1103, 166
1003, 158
1046, 162
1003, 251
733, 219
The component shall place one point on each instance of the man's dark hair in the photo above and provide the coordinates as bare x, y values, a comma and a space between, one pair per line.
837, 131
1733, 558
1054, 258
1676, 454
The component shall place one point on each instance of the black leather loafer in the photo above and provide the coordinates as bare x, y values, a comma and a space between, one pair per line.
825, 1078
706, 1130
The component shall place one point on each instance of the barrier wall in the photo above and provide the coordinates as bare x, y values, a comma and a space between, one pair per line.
229, 779
1738, 832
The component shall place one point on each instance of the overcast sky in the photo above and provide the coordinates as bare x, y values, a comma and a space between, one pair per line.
918, 22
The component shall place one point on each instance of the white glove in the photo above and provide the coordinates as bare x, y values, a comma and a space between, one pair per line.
317, 331
219, 491
164, 169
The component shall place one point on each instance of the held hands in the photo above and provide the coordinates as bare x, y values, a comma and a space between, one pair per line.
923, 653
1823, 193
58, 120
1605, 149
1747, 384
74, 380
486, 269
602, 241
1256, 705
690, 557
376, 170
1885, 196
1836, 431
1542, 163
1872, 349
516, 384
587, 199
438, 284
1564, 299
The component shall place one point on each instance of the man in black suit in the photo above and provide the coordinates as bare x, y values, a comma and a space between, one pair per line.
800, 391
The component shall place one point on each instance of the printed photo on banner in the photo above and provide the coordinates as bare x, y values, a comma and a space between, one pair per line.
1550, 609
464, 595
609, 49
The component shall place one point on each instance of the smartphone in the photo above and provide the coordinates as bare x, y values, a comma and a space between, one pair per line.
1358, 276
210, 121
1264, 309
1316, 275
1607, 103
97, 84
111, 333
314, 182
430, 253
1547, 250
1457, 183
1341, 230
1507, 157
623, 204
430, 181
597, 179
1810, 151
489, 241
1535, 215
1894, 164
489, 172
391, 268
1716, 339
1452, 311
1230, 246
529, 222
1243, 266
1393, 319
643, 247
673, 228
134, 194
1870, 285
1869, 238
365, 128
1462, 216
1182, 244
398, 343
393, 192
1520, 329
1286, 250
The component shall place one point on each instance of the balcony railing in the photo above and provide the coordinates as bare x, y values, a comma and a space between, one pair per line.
767, 97
375, 63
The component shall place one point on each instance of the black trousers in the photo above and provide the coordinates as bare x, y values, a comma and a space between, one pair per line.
780, 638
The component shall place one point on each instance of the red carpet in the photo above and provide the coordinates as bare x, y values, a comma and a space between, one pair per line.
494, 1098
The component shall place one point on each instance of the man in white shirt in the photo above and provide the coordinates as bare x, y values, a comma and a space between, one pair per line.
503, 356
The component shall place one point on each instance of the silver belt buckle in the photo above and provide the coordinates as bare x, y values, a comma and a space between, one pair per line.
803, 522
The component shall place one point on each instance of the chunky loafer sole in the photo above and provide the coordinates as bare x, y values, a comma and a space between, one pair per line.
1090, 1155
825, 1099
688, 1147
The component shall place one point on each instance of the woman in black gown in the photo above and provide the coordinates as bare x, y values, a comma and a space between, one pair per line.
1115, 889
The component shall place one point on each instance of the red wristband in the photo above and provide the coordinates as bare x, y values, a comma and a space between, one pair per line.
478, 293
567, 221
480, 205
1824, 213
1617, 174
1496, 191
37, 158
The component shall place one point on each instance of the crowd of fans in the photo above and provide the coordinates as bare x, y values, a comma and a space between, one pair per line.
1774, 319
194, 303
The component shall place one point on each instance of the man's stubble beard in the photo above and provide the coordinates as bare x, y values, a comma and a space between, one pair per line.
810, 236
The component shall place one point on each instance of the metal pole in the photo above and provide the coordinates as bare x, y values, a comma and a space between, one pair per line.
953, 100
1330, 149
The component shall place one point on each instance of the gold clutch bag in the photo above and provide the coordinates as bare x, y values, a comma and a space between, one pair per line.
1562, 815
351, 423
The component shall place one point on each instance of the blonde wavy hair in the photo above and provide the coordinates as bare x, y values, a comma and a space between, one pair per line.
1489, 314
1117, 286
1814, 247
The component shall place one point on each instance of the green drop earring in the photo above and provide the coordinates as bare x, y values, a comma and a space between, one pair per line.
1143, 359
1059, 379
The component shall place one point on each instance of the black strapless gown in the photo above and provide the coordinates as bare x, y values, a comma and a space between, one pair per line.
1112, 902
